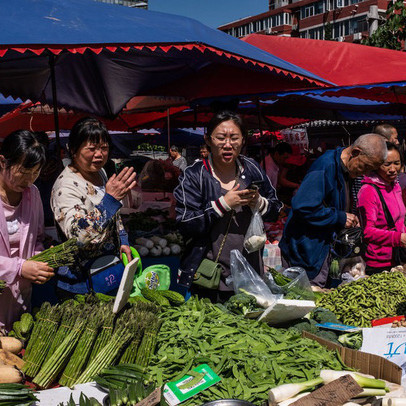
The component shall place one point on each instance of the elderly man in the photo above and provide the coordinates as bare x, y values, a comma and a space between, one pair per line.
387, 131
322, 205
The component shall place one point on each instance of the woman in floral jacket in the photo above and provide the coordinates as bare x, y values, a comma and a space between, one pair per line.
86, 204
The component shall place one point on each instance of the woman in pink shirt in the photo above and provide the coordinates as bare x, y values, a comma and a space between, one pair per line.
21, 223
379, 237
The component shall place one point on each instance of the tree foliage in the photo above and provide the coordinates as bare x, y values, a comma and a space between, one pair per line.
392, 32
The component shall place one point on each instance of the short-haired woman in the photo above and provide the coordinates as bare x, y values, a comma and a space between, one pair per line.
213, 196
21, 224
86, 204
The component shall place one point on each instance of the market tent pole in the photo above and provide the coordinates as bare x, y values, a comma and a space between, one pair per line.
261, 134
55, 103
168, 121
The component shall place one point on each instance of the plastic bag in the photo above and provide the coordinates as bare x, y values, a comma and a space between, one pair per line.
298, 288
255, 238
246, 280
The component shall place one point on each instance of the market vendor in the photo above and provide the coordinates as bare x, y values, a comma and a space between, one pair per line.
86, 204
21, 224
215, 204
322, 205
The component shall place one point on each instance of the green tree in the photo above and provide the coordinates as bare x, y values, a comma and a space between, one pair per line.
392, 32
328, 32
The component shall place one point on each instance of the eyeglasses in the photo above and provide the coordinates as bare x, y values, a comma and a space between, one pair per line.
222, 141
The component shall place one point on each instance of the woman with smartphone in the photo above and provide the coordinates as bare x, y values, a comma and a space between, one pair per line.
215, 201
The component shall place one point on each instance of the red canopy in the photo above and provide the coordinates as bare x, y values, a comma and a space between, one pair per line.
342, 63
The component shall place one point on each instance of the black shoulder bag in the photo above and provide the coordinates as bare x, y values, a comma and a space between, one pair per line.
398, 253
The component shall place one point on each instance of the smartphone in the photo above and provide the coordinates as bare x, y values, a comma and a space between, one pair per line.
255, 185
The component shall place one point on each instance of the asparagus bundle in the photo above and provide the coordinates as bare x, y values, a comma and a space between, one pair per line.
136, 320
68, 320
105, 333
2, 285
149, 340
42, 342
60, 255
108, 355
51, 369
79, 359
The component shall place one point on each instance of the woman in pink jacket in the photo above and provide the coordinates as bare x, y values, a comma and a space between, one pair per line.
379, 237
21, 223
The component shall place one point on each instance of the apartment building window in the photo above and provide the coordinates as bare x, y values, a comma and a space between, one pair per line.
287, 19
307, 11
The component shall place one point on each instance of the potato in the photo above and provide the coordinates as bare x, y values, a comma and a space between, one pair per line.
9, 374
8, 358
11, 344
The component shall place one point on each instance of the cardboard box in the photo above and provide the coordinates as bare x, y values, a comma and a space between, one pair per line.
370, 364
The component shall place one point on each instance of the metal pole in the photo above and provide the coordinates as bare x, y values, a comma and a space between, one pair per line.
55, 103
168, 123
261, 134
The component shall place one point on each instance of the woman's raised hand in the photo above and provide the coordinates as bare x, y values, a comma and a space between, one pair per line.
119, 185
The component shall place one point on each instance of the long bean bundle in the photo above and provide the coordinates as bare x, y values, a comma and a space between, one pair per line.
39, 350
105, 333
40, 316
80, 356
109, 354
51, 369
61, 255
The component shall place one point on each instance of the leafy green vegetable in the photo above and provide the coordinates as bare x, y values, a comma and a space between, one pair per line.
322, 315
351, 340
241, 303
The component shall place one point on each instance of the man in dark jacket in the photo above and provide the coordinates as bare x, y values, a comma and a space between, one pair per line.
322, 205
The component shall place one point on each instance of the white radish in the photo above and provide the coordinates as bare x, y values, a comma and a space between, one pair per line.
156, 251
175, 249
159, 241
292, 400
145, 242
143, 251
166, 251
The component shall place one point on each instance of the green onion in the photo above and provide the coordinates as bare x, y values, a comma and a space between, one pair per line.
329, 375
288, 390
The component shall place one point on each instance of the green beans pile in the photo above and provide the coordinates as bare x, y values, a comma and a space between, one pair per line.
358, 303
249, 356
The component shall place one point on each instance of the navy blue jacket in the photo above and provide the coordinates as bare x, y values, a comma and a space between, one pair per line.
199, 203
318, 211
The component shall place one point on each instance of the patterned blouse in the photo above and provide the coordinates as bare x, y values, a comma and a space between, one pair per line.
92, 216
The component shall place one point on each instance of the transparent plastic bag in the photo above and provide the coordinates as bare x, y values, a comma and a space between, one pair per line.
255, 238
297, 288
246, 280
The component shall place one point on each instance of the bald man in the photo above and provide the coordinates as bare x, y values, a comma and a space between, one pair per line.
387, 131
322, 205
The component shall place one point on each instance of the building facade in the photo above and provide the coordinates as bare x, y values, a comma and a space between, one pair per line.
128, 3
341, 20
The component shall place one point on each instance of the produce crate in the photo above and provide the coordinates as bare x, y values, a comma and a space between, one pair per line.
370, 364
